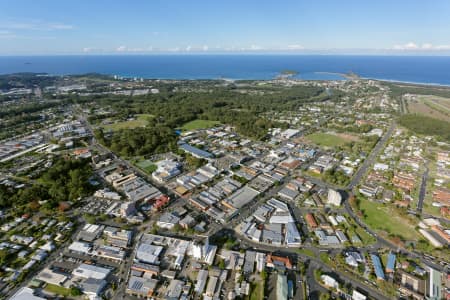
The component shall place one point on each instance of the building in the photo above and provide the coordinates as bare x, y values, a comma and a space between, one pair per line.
196, 152
166, 169
390, 268
201, 281
412, 286
282, 287
358, 296
329, 281
434, 284
168, 221
311, 220
141, 287
334, 197
378, 268
91, 271
93, 287
278, 262
25, 293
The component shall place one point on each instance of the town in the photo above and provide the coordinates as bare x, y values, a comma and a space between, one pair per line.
130, 188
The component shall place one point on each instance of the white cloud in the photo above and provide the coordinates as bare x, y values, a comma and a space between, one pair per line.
295, 47
121, 49
188, 48
205, 48
34, 25
424, 47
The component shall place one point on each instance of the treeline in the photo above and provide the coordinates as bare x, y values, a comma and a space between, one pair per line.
239, 107
140, 141
66, 180
426, 125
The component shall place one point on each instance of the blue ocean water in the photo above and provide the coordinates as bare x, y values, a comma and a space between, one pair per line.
419, 69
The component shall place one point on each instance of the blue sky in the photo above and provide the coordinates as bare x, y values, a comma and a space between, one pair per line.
210, 26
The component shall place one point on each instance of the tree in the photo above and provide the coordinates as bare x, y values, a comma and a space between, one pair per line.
90, 218
75, 291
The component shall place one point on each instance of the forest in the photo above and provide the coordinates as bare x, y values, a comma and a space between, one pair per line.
66, 180
223, 104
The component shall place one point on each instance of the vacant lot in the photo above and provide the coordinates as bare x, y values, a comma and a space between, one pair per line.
329, 139
56, 289
199, 124
139, 121
384, 218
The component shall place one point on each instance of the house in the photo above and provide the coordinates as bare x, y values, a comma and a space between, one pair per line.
168, 221
329, 281
273, 261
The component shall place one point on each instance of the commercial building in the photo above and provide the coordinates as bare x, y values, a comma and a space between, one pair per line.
434, 284
334, 197
282, 287
91, 271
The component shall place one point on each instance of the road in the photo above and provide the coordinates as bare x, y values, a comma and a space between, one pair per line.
423, 188
314, 262
368, 162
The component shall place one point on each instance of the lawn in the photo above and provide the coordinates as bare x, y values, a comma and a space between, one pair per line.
258, 291
139, 121
146, 165
199, 124
327, 139
384, 218
56, 289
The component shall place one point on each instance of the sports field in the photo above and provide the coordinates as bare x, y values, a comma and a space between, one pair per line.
330, 139
140, 121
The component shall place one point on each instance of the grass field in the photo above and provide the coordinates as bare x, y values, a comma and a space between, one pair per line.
139, 121
328, 139
199, 124
431, 106
258, 291
385, 218
56, 289
146, 165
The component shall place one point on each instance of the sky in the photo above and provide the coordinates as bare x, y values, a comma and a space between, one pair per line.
49, 27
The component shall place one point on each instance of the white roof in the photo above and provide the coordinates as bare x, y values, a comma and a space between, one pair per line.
80, 247
25, 293
91, 271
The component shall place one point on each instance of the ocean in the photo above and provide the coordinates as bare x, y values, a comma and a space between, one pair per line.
416, 69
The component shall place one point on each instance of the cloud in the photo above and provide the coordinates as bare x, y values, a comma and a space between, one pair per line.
34, 25
295, 47
121, 49
424, 47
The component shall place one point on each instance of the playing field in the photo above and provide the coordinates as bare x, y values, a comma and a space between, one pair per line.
139, 121
328, 139
147, 166
384, 218
199, 124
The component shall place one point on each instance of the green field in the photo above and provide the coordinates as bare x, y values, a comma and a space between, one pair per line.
199, 124
258, 291
385, 218
140, 121
146, 165
56, 289
327, 139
